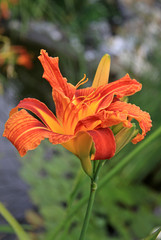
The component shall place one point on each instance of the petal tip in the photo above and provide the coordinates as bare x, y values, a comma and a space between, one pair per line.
107, 56
42, 51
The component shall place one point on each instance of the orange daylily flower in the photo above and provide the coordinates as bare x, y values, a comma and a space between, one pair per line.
23, 57
84, 117
14, 54
4, 8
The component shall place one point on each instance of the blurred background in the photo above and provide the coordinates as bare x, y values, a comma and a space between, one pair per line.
37, 189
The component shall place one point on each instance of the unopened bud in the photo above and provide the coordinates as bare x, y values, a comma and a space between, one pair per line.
124, 99
117, 128
102, 73
124, 136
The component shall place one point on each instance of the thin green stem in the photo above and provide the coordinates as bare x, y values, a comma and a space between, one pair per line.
100, 165
4, 228
22, 235
95, 165
89, 210
93, 189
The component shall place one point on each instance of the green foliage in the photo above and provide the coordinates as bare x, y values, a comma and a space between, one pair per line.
154, 235
50, 173
122, 210
128, 209
69, 14
14, 224
72, 17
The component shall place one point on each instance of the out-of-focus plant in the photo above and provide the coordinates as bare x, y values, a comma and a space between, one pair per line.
71, 15
12, 221
5, 6
10, 56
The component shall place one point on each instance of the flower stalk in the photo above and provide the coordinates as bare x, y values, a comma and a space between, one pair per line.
89, 209
14, 224
93, 188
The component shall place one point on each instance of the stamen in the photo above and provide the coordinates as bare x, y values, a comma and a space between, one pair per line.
72, 115
81, 82
79, 106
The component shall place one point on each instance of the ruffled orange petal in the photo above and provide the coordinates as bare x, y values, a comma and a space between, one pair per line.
84, 92
88, 123
41, 111
133, 111
61, 103
56, 138
103, 119
78, 109
111, 118
120, 88
26, 132
53, 75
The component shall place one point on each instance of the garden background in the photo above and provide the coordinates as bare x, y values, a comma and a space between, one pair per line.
38, 188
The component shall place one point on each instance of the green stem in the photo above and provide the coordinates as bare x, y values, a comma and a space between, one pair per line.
89, 210
91, 200
22, 235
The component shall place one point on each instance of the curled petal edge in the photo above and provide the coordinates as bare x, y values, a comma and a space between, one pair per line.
133, 111
26, 132
41, 111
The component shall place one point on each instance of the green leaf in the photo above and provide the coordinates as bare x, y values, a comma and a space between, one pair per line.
154, 235
22, 235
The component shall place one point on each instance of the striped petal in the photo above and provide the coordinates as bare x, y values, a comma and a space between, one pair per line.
110, 118
103, 119
133, 111
61, 103
84, 92
53, 75
41, 111
26, 132
88, 123
120, 88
